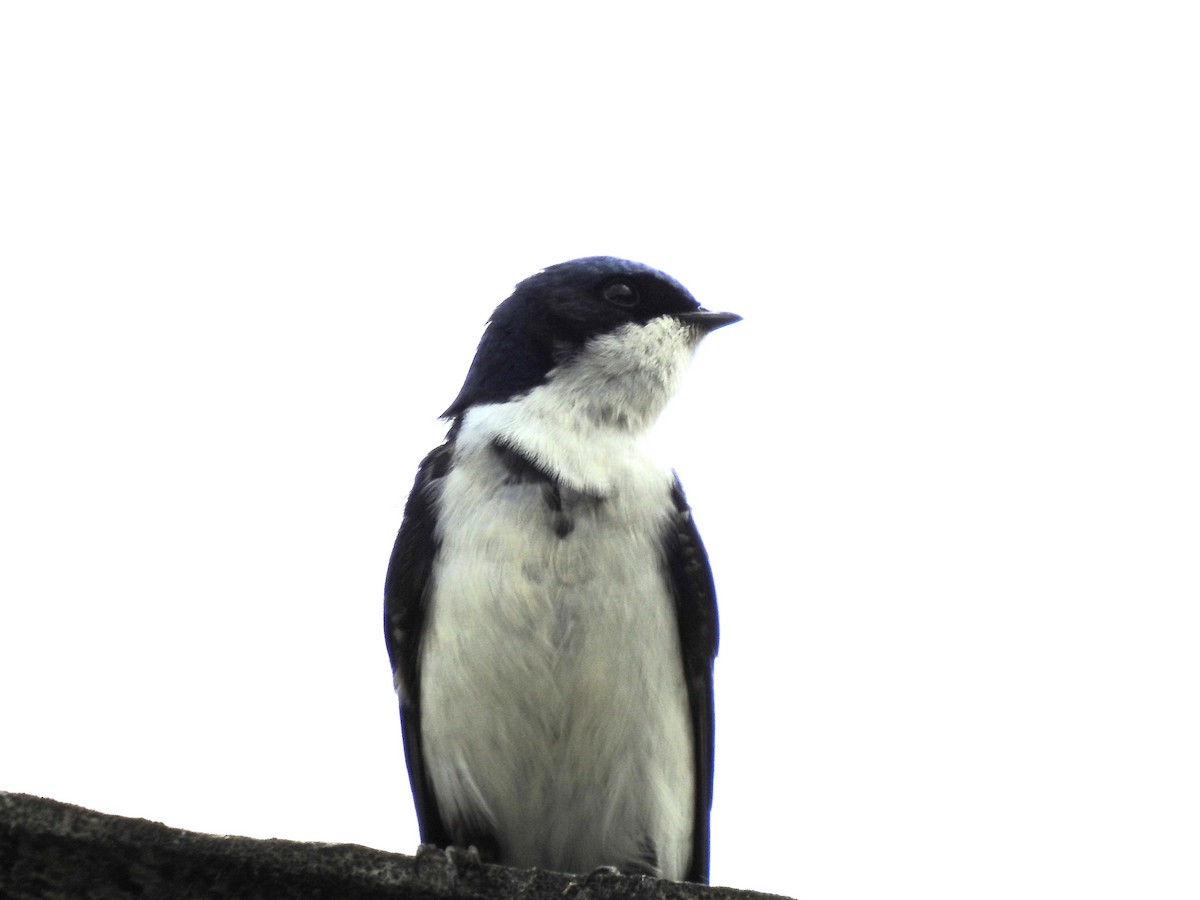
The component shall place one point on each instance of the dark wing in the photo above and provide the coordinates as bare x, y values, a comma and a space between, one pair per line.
696, 611
404, 606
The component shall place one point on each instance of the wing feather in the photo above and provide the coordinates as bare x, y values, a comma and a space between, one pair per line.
696, 611
406, 596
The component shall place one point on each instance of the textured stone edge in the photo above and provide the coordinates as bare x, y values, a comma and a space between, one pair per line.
53, 849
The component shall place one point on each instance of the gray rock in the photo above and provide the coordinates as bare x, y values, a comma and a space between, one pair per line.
54, 850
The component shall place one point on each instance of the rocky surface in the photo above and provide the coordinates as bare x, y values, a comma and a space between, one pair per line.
54, 850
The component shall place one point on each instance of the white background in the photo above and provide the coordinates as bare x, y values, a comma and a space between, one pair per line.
946, 467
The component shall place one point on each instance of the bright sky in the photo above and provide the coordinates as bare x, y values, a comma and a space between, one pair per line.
946, 468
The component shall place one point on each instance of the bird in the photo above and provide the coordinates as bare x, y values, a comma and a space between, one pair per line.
549, 607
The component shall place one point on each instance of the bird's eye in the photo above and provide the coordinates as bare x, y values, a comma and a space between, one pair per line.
620, 294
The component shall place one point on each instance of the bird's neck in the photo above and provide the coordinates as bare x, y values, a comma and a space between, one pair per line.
590, 419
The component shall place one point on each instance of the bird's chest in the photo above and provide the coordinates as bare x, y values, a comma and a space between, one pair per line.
553, 707
535, 577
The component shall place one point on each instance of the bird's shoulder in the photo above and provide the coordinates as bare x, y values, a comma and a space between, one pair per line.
691, 580
410, 566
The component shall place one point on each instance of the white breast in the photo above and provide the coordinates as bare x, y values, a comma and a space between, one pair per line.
554, 711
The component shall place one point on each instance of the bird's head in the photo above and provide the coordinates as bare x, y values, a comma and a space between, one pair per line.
601, 318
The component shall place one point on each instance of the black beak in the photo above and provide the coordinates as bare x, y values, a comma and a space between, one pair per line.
708, 321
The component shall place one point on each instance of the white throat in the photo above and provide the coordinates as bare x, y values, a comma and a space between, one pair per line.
584, 424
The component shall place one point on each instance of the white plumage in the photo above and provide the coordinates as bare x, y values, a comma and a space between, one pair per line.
554, 710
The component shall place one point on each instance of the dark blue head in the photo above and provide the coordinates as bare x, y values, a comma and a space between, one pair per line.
555, 312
